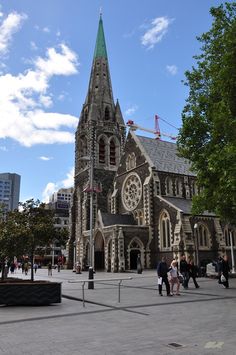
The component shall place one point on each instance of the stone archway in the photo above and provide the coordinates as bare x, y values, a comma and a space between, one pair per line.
135, 248
99, 254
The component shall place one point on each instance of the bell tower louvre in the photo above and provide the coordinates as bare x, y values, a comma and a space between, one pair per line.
99, 143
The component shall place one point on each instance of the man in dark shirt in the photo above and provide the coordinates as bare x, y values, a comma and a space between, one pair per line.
224, 270
184, 270
162, 270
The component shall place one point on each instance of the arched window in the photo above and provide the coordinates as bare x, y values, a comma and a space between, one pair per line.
112, 152
131, 161
138, 215
178, 187
169, 186
102, 150
165, 231
202, 236
107, 114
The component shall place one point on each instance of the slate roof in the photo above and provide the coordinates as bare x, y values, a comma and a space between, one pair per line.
164, 156
184, 205
112, 219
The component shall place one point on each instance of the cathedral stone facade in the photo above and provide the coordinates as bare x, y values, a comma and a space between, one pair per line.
141, 190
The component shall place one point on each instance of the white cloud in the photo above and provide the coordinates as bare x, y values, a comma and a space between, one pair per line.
56, 63
69, 181
48, 191
172, 69
131, 110
52, 187
24, 97
8, 27
45, 158
153, 35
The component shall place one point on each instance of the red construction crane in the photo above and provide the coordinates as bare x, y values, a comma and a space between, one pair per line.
133, 126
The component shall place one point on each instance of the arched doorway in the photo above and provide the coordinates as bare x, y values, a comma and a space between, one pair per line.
133, 258
99, 254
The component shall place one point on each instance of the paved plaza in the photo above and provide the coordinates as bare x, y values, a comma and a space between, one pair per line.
200, 321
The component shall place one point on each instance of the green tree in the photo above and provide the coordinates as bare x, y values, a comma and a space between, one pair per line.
23, 232
208, 135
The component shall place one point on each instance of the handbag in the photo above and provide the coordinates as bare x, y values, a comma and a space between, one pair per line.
222, 278
181, 279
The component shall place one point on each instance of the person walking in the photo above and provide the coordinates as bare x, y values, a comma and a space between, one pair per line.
224, 271
174, 278
35, 267
49, 269
162, 272
192, 272
184, 271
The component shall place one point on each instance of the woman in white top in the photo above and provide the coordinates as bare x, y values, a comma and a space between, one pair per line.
174, 277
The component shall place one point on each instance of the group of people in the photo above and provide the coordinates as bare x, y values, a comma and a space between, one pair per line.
175, 274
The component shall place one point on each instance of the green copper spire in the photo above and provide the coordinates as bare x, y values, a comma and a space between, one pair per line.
100, 48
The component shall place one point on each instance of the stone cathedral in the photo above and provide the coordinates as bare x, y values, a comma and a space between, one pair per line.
142, 190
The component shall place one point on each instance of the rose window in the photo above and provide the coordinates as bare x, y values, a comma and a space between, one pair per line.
131, 192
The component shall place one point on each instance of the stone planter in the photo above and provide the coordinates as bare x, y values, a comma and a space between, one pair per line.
25, 292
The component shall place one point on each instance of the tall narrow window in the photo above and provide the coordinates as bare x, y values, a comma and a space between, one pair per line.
107, 113
165, 231
169, 187
101, 150
202, 236
112, 153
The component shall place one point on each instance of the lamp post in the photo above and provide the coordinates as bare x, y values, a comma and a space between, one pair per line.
232, 251
196, 242
74, 256
91, 190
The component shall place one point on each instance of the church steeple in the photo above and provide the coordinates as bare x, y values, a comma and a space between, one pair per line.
100, 47
101, 128
100, 89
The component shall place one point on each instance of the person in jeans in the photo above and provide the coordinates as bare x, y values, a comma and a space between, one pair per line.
184, 270
162, 270
174, 278
192, 272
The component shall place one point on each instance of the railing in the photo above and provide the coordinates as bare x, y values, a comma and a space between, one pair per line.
101, 280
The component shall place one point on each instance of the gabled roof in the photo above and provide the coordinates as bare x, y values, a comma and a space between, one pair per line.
183, 205
109, 219
163, 155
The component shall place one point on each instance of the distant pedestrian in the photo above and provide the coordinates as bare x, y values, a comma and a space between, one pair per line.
174, 278
183, 266
139, 265
224, 271
26, 268
35, 267
59, 267
162, 273
192, 269
49, 269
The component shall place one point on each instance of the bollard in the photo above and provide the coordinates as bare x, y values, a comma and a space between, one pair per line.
90, 276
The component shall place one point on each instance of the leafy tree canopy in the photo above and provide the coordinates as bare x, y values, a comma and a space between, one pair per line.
208, 135
23, 232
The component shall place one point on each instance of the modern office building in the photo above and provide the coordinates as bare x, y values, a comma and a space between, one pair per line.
9, 191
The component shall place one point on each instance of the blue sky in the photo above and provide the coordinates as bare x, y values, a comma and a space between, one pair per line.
46, 51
